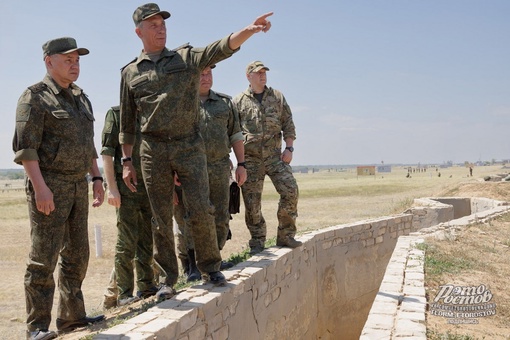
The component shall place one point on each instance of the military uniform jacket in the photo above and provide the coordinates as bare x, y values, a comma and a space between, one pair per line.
219, 126
165, 93
263, 124
110, 142
55, 128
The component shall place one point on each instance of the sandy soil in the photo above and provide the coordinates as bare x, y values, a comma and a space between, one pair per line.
477, 256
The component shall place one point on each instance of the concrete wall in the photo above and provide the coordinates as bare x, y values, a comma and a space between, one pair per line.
399, 308
461, 206
324, 289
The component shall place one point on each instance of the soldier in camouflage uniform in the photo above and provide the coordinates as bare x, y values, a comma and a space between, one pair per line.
53, 140
161, 87
134, 235
219, 127
265, 117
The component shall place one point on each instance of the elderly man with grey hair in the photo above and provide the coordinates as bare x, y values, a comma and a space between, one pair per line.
54, 141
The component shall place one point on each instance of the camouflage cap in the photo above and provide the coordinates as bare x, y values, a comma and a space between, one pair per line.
147, 11
255, 66
62, 46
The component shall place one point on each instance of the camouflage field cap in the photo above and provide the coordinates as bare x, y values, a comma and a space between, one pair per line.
62, 46
255, 66
148, 10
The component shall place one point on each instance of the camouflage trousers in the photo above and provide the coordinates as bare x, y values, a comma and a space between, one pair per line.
134, 241
63, 232
184, 239
285, 184
218, 173
186, 157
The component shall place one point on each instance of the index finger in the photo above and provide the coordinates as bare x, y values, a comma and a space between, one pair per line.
263, 16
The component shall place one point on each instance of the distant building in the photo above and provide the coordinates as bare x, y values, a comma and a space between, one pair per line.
366, 170
384, 168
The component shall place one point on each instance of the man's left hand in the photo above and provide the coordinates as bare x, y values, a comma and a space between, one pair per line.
241, 175
98, 193
286, 156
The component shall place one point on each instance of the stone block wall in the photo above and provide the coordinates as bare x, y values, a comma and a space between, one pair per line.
321, 290
337, 285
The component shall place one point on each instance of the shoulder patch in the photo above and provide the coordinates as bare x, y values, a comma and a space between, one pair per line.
38, 87
123, 67
23, 112
223, 95
186, 45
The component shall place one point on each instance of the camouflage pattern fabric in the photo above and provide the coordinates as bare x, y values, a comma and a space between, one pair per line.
263, 126
219, 127
171, 143
134, 227
184, 239
55, 127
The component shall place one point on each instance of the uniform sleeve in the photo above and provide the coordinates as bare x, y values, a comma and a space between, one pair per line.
288, 128
212, 53
110, 135
128, 114
29, 129
234, 128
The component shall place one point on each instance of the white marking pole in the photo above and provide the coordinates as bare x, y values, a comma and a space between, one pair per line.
99, 245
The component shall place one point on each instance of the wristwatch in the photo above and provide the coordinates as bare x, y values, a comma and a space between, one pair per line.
125, 159
243, 164
290, 148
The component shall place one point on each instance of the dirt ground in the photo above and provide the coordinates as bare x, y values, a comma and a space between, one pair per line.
475, 256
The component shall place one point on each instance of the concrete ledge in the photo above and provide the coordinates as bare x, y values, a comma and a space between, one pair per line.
399, 308
362, 279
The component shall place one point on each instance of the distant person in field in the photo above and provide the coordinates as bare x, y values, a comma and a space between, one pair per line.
265, 119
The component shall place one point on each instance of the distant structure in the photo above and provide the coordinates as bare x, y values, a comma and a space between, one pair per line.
368, 170
384, 168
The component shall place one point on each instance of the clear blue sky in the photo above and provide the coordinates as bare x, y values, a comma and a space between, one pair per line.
397, 81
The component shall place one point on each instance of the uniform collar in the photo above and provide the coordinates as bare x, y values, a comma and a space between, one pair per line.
250, 92
213, 95
56, 88
165, 53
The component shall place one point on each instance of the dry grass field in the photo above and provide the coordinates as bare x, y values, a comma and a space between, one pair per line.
326, 198
476, 257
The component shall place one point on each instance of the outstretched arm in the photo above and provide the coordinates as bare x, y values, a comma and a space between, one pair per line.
239, 37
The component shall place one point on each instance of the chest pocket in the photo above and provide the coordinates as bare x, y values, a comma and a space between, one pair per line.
173, 68
139, 81
60, 114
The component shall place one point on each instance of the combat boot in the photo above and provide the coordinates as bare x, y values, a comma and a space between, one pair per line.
216, 278
41, 334
193, 272
127, 300
288, 241
226, 265
164, 293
